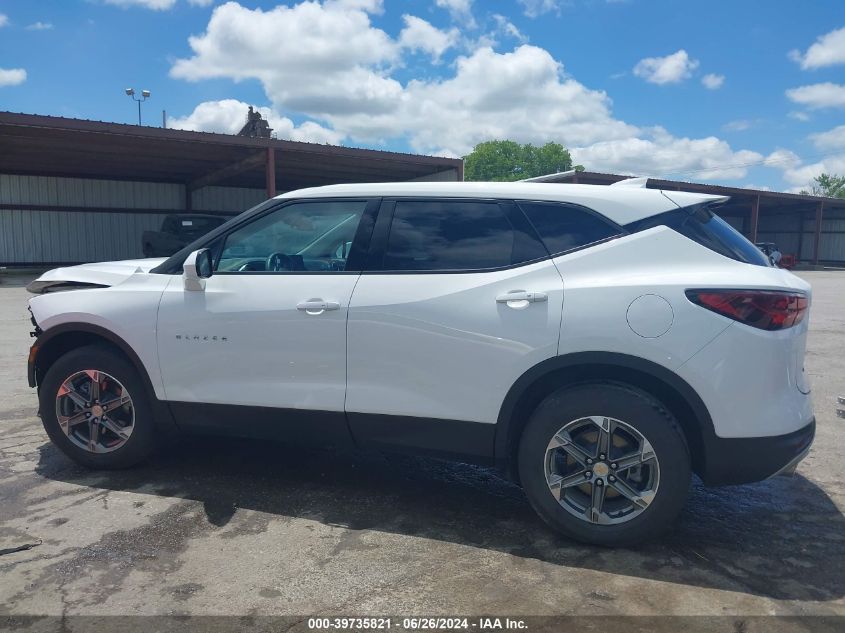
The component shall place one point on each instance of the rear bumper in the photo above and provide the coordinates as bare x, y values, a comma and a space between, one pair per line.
747, 459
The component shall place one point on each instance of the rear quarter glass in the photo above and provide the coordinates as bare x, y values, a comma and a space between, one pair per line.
700, 224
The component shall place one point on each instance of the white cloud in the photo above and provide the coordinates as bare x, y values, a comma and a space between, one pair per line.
665, 70
799, 116
801, 176
419, 35
155, 5
329, 64
534, 8
368, 6
828, 50
783, 159
460, 10
656, 152
228, 116
520, 95
739, 125
712, 81
39, 26
506, 27
831, 140
4, 20
823, 95
12, 76
318, 59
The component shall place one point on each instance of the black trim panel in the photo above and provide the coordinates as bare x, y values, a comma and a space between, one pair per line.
30, 366
298, 426
451, 439
748, 459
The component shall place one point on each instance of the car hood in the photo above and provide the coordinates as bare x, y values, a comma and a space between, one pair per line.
97, 275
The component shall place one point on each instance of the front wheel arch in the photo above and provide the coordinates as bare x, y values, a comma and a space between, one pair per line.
57, 341
587, 367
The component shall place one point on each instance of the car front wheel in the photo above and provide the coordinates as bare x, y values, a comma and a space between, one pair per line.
604, 463
95, 408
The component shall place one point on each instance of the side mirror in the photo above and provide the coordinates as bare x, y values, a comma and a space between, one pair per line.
196, 269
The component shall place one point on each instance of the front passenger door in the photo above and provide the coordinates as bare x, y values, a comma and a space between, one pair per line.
262, 350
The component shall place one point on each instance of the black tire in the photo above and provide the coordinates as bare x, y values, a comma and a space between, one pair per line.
637, 409
140, 444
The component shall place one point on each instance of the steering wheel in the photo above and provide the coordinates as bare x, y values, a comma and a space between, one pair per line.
278, 261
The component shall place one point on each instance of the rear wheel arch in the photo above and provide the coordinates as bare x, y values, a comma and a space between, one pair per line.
587, 367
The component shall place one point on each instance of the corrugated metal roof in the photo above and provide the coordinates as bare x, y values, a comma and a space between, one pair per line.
57, 146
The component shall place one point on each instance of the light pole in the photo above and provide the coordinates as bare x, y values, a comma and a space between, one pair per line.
145, 94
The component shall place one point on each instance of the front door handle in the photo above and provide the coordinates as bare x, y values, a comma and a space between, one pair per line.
522, 295
317, 306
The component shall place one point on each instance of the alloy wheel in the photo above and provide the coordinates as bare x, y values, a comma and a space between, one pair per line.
601, 470
95, 411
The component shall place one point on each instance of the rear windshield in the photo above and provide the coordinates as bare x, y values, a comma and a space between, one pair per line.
701, 225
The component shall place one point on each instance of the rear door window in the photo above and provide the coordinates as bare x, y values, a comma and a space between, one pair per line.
455, 235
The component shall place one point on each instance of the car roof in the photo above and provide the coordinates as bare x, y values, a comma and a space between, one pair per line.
621, 204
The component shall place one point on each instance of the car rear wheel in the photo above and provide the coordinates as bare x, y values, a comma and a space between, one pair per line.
95, 408
604, 463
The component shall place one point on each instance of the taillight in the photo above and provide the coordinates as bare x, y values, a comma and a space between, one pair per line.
764, 309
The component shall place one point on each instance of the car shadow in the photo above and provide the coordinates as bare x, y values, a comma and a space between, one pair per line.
783, 538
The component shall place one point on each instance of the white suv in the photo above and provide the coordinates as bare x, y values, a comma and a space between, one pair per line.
599, 343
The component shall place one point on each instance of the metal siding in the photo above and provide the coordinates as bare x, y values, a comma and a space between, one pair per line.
448, 175
832, 247
88, 192
63, 236
778, 223
788, 243
829, 223
28, 237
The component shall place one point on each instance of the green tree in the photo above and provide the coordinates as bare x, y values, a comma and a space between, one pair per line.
508, 161
828, 185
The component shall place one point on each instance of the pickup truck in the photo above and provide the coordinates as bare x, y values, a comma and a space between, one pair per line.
178, 231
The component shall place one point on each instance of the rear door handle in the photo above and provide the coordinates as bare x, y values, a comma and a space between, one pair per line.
317, 306
522, 295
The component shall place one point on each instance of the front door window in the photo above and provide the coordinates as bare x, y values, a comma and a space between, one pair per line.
299, 237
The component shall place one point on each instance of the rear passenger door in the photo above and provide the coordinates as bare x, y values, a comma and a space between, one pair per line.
458, 298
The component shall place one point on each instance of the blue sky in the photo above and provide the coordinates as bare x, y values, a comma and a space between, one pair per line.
619, 82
